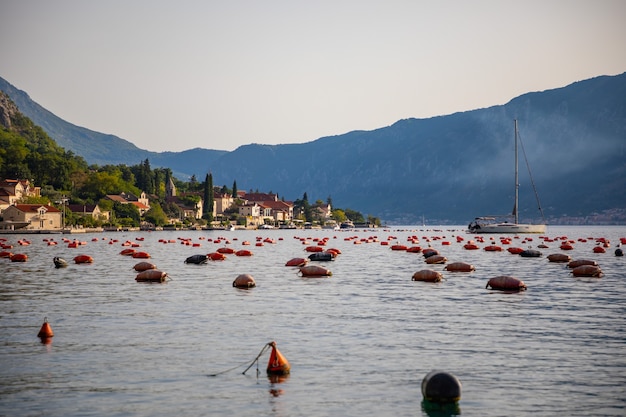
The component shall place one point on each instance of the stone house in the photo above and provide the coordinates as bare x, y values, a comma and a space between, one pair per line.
12, 191
31, 217
91, 210
142, 203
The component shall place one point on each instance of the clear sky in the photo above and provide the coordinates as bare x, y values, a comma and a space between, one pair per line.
175, 75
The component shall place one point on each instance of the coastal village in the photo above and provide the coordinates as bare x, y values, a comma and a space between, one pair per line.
253, 210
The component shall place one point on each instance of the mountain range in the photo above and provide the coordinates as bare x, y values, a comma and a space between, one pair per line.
445, 170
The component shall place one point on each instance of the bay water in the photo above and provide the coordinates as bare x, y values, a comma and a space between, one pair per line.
359, 342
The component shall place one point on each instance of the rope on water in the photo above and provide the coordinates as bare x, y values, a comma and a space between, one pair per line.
249, 366
257, 359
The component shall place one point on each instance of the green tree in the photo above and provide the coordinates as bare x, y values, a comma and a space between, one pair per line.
354, 216
339, 216
156, 215
207, 207
126, 214
234, 189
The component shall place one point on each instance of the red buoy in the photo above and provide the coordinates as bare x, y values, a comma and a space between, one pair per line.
151, 275
144, 266
587, 271
244, 281
278, 364
19, 257
506, 283
83, 259
297, 262
45, 332
427, 275
459, 267
315, 271
436, 259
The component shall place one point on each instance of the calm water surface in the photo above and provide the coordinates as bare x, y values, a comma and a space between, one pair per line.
359, 342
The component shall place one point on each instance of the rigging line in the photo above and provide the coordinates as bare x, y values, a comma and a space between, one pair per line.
257, 358
241, 364
532, 181
228, 370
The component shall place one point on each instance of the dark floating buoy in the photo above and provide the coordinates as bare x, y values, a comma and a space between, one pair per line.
45, 333
277, 365
321, 256
619, 251
530, 253
197, 259
441, 387
59, 262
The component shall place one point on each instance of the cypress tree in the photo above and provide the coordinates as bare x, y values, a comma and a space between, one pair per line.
207, 208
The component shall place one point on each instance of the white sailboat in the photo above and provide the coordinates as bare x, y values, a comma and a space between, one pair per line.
490, 224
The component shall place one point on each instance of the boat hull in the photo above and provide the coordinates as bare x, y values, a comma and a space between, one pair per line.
508, 228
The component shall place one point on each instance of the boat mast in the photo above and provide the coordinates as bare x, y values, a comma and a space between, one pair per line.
515, 208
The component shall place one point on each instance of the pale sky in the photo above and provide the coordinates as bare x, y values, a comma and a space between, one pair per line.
175, 75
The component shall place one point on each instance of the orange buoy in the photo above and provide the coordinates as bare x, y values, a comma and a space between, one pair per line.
460, 267
18, 257
127, 252
559, 257
226, 250
151, 275
314, 249
599, 249
427, 275
278, 364
5, 254
144, 255
398, 247
436, 259
297, 262
470, 246
46, 331
144, 266
414, 249
515, 250
587, 271
579, 262
506, 283
216, 256
243, 252
244, 281
493, 248
83, 259
566, 246
315, 271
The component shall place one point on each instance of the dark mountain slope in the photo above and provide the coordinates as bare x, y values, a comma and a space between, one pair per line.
447, 168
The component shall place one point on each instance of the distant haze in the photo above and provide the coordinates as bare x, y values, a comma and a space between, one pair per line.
218, 75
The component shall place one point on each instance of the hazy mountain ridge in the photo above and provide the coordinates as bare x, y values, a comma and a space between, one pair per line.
445, 168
